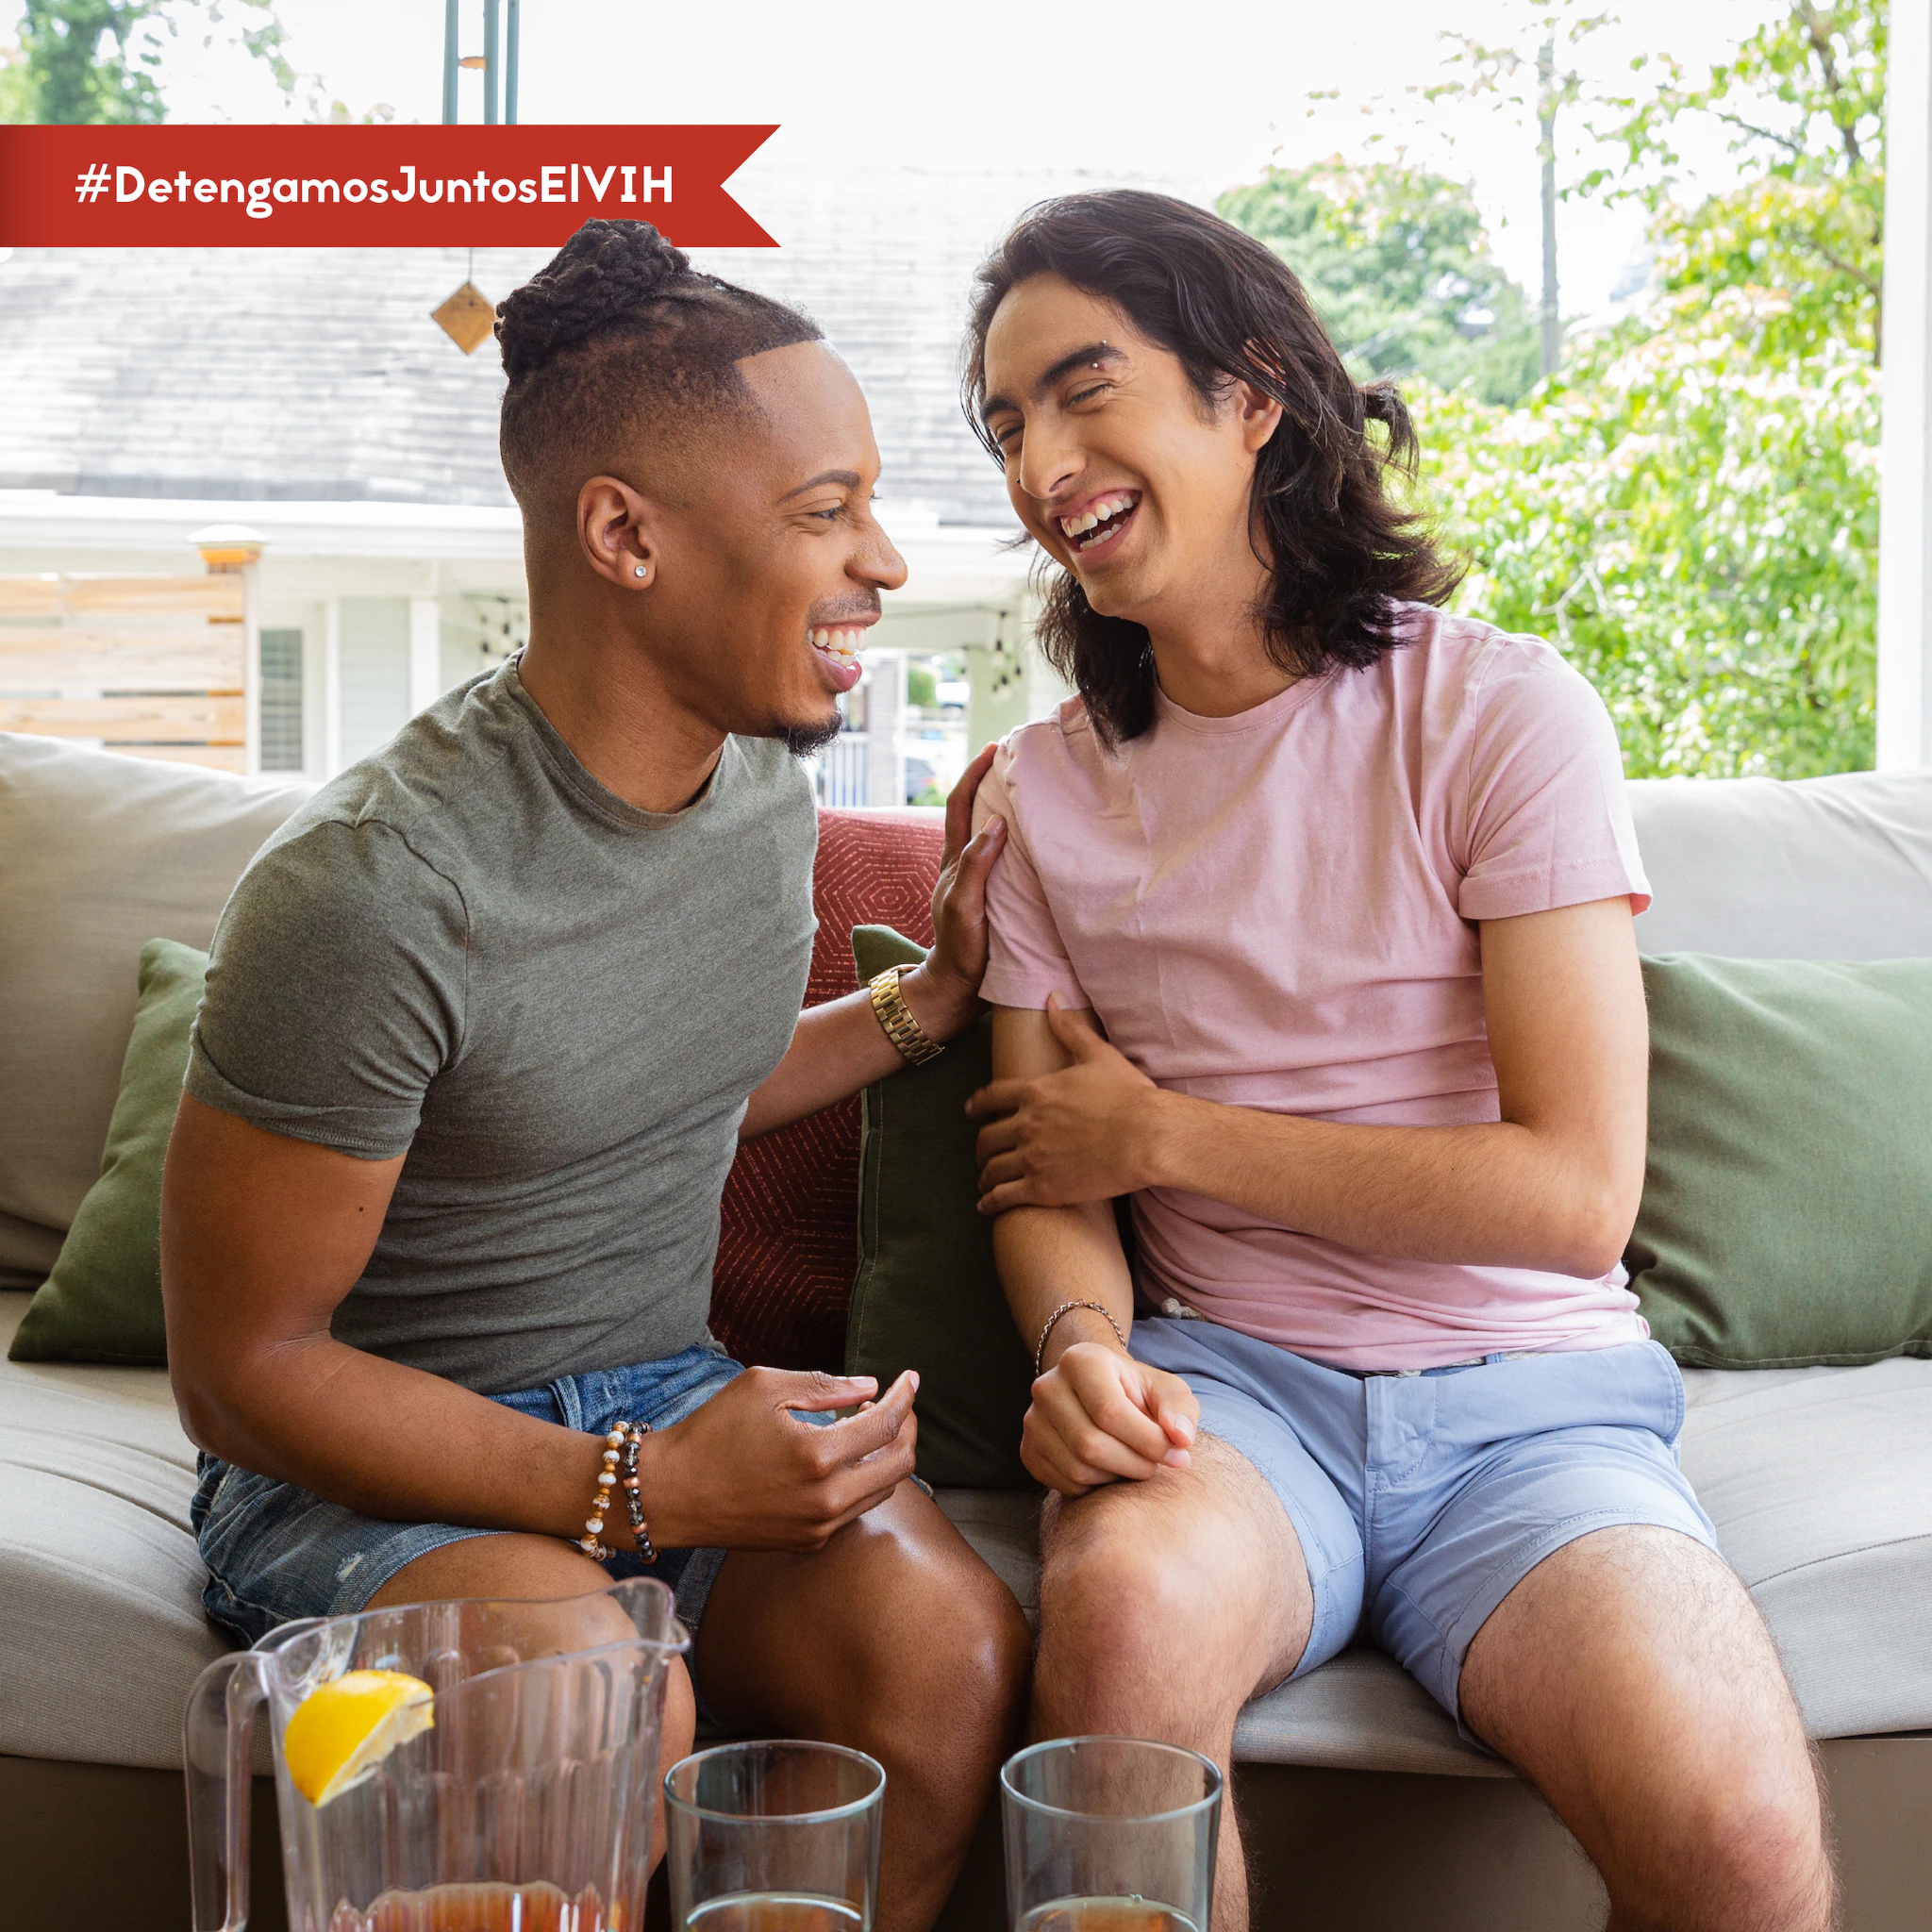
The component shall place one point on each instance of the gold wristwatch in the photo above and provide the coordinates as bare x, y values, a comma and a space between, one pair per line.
895, 1016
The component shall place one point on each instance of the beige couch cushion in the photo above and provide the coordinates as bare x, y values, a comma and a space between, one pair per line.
103, 1632
1820, 1482
98, 854
1821, 869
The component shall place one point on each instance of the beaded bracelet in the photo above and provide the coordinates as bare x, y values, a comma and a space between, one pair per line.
621, 1448
633, 1496
591, 1543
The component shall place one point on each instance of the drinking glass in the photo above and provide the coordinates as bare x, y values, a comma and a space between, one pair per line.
1110, 1835
525, 1808
775, 1837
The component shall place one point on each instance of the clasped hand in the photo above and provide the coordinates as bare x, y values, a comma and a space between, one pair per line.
1085, 1133
1098, 1416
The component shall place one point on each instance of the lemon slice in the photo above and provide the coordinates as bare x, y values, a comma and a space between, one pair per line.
343, 1730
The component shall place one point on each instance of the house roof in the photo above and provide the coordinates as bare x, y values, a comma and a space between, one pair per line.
316, 376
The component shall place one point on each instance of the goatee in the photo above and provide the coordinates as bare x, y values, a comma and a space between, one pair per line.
807, 741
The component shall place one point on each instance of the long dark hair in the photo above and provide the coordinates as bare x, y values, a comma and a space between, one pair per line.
1343, 555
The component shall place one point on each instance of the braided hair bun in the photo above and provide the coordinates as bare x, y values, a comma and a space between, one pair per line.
616, 340
606, 273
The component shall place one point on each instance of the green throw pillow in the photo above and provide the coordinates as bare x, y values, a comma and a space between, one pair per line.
928, 1296
1787, 1216
103, 1301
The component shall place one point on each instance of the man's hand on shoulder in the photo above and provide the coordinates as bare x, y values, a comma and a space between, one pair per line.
1098, 1416
840, 1046
943, 993
746, 1472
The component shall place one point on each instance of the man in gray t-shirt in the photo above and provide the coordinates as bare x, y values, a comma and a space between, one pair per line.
467, 951
485, 1024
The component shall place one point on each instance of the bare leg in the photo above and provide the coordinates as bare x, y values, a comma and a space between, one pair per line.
1631, 1678
896, 1640
538, 1567
1164, 1607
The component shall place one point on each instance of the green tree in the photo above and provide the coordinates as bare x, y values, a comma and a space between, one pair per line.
1802, 105
1690, 512
99, 61
1689, 507
1397, 263
76, 64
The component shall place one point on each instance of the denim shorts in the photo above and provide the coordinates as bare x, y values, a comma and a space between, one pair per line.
1423, 1500
275, 1552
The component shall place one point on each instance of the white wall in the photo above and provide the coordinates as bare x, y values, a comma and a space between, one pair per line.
375, 658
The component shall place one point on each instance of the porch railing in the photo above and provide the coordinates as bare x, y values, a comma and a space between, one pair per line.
841, 770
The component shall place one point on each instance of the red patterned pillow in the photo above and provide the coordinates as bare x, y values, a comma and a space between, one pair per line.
788, 1245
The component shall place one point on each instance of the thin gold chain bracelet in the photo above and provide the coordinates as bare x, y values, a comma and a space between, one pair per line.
1067, 1308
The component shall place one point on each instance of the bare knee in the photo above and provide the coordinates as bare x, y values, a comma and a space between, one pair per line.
1768, 1873
1109, 1589
1207, 1544
935, 1659
955, 1683
1169, 1602
1757, 1859
1631, 1677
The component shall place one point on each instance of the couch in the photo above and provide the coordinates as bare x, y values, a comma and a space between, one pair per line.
1365, 1810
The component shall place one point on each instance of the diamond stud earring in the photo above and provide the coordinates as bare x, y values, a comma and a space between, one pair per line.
643, 570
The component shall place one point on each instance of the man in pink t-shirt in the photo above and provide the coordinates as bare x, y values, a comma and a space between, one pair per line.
1347, 885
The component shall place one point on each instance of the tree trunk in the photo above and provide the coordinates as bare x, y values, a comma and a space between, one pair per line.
1546, 150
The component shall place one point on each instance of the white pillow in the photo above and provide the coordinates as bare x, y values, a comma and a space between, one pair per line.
1834, 868
99, 853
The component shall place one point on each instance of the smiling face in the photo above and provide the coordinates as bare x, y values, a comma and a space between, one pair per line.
1115, 463
767, 562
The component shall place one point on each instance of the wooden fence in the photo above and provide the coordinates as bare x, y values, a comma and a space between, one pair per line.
158, 667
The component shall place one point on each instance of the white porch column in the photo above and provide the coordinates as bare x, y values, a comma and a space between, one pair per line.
1905, 518
331, 688
885, 720
425, 653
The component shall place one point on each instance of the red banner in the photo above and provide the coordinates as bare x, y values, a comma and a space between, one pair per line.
416, 187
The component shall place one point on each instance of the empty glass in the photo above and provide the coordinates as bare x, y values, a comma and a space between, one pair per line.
1110, 1835
527, 1807
775, 1838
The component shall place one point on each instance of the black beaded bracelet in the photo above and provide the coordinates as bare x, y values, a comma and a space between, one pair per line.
633, 1495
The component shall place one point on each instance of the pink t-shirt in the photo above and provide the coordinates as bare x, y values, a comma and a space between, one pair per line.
1278, 910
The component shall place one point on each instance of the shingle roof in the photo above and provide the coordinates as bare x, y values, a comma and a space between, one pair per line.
317, 374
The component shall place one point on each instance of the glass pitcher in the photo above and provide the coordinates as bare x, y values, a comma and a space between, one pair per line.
528, 1806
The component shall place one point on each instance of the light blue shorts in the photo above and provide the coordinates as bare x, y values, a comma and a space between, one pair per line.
275, 1552
1423, 1500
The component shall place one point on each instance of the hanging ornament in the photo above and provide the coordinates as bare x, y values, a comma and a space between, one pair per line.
467, 318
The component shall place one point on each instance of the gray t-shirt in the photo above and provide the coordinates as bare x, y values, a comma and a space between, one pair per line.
466, 949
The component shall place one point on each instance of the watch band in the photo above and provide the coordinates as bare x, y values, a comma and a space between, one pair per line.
895, 1016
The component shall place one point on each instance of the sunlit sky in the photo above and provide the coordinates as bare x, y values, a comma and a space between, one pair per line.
1204, 92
